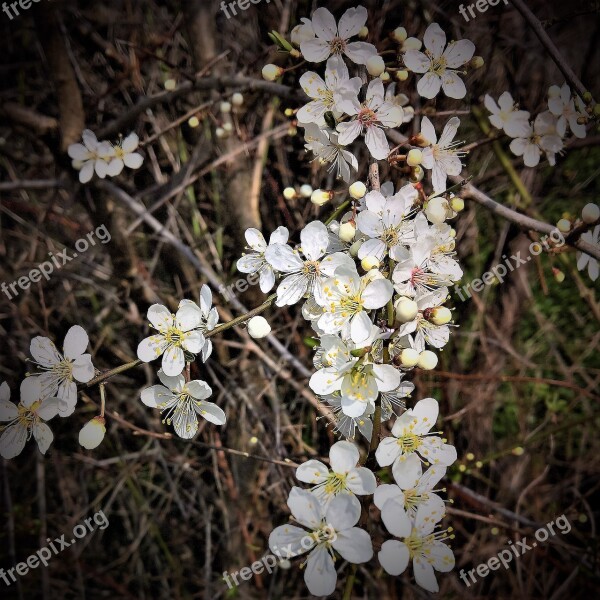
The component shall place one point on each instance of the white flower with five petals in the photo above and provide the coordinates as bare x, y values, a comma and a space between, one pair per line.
585, 260
561, 105
506, 117
545, 135
255, 262
343, 478
61, 371
439, 63
333, 39
330, 528
370, 118
90, 156
20, 422
411, 444
183, 402
209, 317
420, 543
305, 275
124, 155
175, 335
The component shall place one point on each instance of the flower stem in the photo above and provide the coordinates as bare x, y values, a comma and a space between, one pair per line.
350, 584
338, 211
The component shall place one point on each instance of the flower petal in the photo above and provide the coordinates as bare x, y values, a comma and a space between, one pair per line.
394, 557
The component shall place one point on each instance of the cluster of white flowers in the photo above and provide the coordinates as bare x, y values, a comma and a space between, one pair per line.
546, 134
179, 338
103, 158
373, 285
50, 391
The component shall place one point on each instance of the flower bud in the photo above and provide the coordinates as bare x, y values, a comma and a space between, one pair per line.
347, 231
405, 309
288, 112
258, 327
590, 213
412, 43
375, 65
477, 62
402, 75
416, 174
228, 127
289, 193
272, 72
440, 315
385, 77
370, 262
237, 99
220, 132
587, 97
306, 190
170, 85
92, 433
302, 33
225, 107
357, 190
436, 210
554, 91
414, 158
399, 34
409, 357
363, 33
355, 248
320, 197
457, 204
193, 122
559, 276
564, 226
285, 564
427, 360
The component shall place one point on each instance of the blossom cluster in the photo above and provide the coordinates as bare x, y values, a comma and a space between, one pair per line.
546, 134
103, 158
373, 284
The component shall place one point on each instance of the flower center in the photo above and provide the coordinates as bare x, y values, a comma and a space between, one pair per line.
415, 544
337, 45
174, 336
351, 304
311, 268
63, 369
409, 442
336, 483
390, 237
438, 65
367, 117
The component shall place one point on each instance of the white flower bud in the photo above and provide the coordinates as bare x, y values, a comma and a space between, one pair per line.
356, 247
170, 85
285, 564
416, 174
427, 360
436, 210
225, 107
405, 309
347, 231
399, 34
237, 99
271, 72
357, 190
320, 197
306, 190
375, 65
409, 357
363, 33
92, 433
590, 213
554, 91
440, 315
385, 77
402, 75
564, 226
412, 43
228, 127
414, 158
258, 327
289, 193
457, 204
220, 132
370, 262
193, 122
302, 33
477, 62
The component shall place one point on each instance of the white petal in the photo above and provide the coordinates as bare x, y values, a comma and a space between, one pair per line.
394, 557
406, 470
429, 85
395, 519
83, 369
199, 389
354, 545
360, 52
320, 575
12, 441
305, 508
416, 61
361, 481
459, 53
387, 451
87, 172
155, 395
283, 258
43, 436
160, 316
314, 239
31, 390
312, 471
424, 575
343, 512
352, 21
388, 378
211, 412
441, 557
377, 143
279, 236
324, 24
434, 39
286, 541
325, 381
343, 456
315, 50
194, 342
348, 132
48, 409
133, 161
453, 85
292, 289
151, 348
188, 316
385, 492
377, 294
173, 361
8, 410
44, 351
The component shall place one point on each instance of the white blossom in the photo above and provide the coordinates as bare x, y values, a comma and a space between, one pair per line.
561, 105
333, 39
506, 117
124, 155
440, 64
181, 402
585, 260
545, 135
91, 156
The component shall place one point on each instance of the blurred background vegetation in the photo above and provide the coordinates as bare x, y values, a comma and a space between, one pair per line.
518, 383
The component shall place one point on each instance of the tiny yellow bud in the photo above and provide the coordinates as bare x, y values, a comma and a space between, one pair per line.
289, 112
271, 72
347, 232
559, 276
412, 43
518, 451
457, 204
289, 193
320, 197
405, 309
385, 76
427, 360
477, 62
470, 456
357, 190
440, 315
564, 226
258, 327
237, 99
193, 122
375, 65
370, 262
479, 464
409, 357
590, 213
399, 34
402, 75
306, 190
170, 85
414, 158
363, 33
225, 107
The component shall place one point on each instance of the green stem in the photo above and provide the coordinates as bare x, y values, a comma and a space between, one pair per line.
350, 584
338, 211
